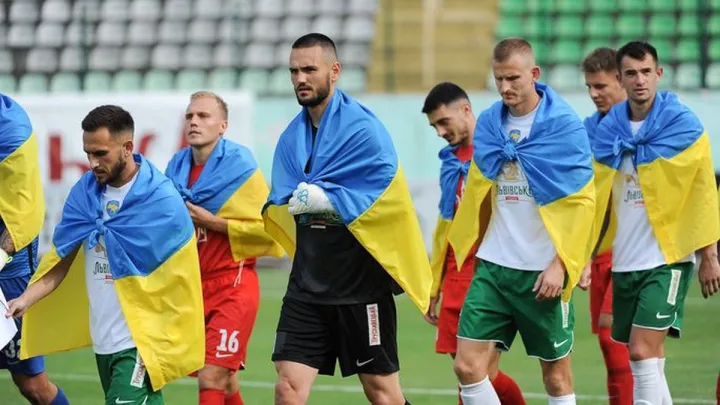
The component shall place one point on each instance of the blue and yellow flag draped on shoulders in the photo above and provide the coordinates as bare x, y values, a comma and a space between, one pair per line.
671, 152
355, 163
22, 203
232, 187
451, 169
153, 259
591, 125
556, 159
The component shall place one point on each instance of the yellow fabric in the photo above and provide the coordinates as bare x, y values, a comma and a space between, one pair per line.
680, 199
439, 254
280, 225
22, 202
166, 322
246, 230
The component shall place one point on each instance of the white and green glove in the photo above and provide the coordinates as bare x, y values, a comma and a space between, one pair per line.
309, 199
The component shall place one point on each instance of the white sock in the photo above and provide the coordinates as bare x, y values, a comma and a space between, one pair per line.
646, 376
664, 388
481, 393
563, 400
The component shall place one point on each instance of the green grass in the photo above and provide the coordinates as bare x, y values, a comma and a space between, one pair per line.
691, 369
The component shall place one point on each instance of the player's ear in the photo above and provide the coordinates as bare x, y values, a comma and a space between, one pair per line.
128, 147
335, 71
223, 127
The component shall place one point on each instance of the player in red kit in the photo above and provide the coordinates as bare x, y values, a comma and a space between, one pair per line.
224, 192
448, 109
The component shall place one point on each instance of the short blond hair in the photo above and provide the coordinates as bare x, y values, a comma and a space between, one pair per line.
209, 94
508, 47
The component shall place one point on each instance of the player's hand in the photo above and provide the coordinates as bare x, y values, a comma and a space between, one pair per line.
549, 283
199, 215
309, 198
17, 308
585, 277
432, 316
709, 276
4, 258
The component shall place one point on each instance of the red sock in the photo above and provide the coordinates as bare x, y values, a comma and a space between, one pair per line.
234, 399
212, 397
619, 375
507, 390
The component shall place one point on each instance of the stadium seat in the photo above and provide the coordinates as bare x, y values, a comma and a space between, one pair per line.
511, 7
33, 83
331, 7
65, 82
592, 44
632, 5
598, 26
631, 26
352, 80
97, 82
294, 27
49, 35
542, 52
566, 52
56, 11
240, 9
665, 50
538, 6
565, 78
536, 29
607, 6
158, 80
222, 79
141, 33
2, 14
688, 25
569, 6
208, 9
177, 10
259, 56
79, 33
508, 26
233, 31
165, 57
354, 54
127, 80
688, 5
86, 11
662, 6
359, 29
21, 36
282, 55
104, 59
280, 83
7, 83
712, 77
3, 35
23, 12
172, 32
111, 33
115, 10
300, 8
269, 8
714, 5
72, 59
569, 27
255, 80
687, 50
688, 76
41, 60
662, 26
135, 57
328, 25
202, 31
6, 62
227, 56
362, 6
265, 30
714, 50
145, 10
197, 57
190, 80
713, 26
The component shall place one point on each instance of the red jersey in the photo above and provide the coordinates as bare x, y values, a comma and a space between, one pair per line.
464, 153
214, 248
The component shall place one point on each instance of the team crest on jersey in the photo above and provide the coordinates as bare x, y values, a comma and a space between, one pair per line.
514, 134
112, 207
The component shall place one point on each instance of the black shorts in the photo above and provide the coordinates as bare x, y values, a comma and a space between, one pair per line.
362, 337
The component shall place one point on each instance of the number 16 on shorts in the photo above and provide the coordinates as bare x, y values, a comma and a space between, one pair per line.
229, 344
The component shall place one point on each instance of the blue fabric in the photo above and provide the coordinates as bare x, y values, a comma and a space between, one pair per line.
353, 159
15, 127
450, 171
13, 288
669, 128
556, 158
60, 398
23, 263
591, 124
152, 224
227, 168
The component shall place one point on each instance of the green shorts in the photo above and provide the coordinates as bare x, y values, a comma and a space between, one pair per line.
650, 299
500, 302
124, 379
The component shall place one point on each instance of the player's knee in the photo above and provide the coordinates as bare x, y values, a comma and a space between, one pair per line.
558, 381
469, 369
640, 351
212, 377
285, 393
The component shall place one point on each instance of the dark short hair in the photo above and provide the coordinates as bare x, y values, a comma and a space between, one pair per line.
511, 46
601, 59
443, 94
112, 117
636, 50
316, 39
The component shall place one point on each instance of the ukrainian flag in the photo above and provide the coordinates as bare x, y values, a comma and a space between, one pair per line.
591, 125
355, 163
232, 187
153, 259
22, 203
557, 162
671, 152
450, 172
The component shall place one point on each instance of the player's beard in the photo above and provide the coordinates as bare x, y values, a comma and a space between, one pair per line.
322, 94
115, 171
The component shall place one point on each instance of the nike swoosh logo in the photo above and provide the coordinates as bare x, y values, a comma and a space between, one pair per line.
556, 344
359, 364
658, 316
118, 401
220, 356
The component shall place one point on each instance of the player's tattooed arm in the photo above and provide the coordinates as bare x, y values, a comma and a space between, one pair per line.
6, 243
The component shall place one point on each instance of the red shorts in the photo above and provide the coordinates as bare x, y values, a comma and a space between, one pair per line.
453, 296
231, 306
600, 289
